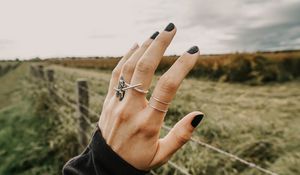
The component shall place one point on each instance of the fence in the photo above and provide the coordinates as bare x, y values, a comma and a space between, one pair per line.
81, 105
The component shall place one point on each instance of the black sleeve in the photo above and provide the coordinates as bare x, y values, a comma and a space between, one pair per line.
99, 159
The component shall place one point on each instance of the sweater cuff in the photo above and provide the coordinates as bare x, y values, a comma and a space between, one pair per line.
109, 159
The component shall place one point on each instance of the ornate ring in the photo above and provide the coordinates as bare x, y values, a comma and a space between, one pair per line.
122, 87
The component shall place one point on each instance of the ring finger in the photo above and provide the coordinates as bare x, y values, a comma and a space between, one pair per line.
170, 81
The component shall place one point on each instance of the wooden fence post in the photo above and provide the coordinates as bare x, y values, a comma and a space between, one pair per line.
41, 72
33, 71
82, 110
50, 81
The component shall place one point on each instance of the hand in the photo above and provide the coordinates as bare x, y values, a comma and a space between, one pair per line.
131, 126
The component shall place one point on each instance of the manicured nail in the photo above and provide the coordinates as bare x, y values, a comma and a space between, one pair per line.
197, 119
193, 50
154, 35
170, 27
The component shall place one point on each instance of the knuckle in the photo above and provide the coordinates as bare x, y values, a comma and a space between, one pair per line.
122, 115
116, 72
144, 67
148, 130
127, 68
162, 41
185, 64
146, 45
181, 137
168, 83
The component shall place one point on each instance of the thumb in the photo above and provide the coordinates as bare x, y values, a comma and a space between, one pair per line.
177, 137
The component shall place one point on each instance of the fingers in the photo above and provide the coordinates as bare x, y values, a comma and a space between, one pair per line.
177, 137
129, 65
117, 70
170, 81
148, 63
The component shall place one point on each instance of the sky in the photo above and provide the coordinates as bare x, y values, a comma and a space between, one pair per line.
60, 28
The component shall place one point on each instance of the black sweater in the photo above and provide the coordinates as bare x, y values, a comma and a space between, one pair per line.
99, 159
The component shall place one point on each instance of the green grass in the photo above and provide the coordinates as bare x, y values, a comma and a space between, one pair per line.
257, 123
28, 141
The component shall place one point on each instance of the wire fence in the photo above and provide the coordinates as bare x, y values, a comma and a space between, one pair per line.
36, 72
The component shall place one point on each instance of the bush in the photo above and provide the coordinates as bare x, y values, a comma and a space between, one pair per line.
262, 67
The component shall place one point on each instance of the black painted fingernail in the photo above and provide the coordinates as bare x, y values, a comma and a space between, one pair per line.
197, 119
170, 27
154, 35
193, 50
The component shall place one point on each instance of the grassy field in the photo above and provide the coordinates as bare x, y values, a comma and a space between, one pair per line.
252, 68
257, 123
30, 141
245, 120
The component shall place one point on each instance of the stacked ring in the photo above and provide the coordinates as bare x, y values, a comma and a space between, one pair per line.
160, 101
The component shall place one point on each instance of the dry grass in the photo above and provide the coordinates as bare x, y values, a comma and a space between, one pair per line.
255, 68
257, 123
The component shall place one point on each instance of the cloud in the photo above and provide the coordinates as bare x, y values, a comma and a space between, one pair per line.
280, 30
69, 28
4, 43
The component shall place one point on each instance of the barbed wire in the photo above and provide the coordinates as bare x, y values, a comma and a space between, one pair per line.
61, 97
182, 170
90, 91
75, 108
90, 111
165, 127
68, 82
152, 172
250, 164
177, 167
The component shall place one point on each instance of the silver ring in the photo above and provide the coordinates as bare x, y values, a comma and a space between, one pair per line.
160, 110
141, 90
166, 103
122, 87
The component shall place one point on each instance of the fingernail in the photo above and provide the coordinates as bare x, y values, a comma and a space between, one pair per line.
154, 35
193, 50
197, 119
170, 27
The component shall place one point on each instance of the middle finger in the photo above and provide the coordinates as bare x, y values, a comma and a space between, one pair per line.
148, 63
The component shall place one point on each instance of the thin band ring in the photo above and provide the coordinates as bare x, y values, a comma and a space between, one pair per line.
141, 90
160, 110
166, 103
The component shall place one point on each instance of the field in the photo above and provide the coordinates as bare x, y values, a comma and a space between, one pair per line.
250, 68
257, 123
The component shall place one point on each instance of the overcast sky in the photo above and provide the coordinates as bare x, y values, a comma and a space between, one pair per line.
58, 28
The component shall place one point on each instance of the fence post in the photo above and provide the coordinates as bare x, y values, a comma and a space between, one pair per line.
82, 109
50, 81
41, 72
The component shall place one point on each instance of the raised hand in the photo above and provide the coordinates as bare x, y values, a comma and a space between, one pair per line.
130, 123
